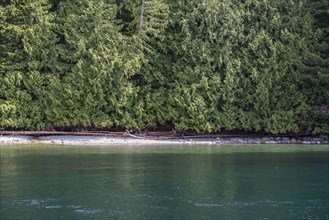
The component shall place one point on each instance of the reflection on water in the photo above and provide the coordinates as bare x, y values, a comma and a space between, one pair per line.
164, 183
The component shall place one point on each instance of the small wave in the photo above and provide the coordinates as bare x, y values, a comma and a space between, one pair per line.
242, 203
53, 206
88, 211
34, 202
208, 204
37, 201
74, 206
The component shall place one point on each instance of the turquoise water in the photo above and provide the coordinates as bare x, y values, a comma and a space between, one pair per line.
172, 182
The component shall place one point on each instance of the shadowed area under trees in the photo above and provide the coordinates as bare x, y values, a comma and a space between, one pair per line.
202, 66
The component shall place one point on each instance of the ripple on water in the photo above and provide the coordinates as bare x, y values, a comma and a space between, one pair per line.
34, 202
86, 211
74, 206
242, 203
208, 205
53, 206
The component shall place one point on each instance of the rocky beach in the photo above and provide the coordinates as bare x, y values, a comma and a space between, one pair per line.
137, 140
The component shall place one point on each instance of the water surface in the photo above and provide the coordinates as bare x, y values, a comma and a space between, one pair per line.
170, 182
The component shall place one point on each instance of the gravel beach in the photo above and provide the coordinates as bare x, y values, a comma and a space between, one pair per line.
109, 140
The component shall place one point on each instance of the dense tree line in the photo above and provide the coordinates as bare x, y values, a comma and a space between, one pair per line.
205, 66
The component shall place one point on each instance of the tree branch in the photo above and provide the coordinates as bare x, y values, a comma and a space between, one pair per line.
141, 19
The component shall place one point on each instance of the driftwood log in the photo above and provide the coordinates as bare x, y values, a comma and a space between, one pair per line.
49, 131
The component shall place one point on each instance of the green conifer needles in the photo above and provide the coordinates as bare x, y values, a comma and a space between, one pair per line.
193, 65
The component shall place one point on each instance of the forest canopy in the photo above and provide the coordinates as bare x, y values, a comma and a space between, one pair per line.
196, 65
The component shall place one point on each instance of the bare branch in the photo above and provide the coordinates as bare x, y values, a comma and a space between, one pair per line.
141, 19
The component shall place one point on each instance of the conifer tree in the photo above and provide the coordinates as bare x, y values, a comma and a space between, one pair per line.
315, 71
230, 66
190, 65
144, 22
280, 38
94, 63
26, 44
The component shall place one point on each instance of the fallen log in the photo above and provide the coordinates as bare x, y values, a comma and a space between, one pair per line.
46, 133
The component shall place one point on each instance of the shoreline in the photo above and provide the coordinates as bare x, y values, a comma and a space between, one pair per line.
131, 140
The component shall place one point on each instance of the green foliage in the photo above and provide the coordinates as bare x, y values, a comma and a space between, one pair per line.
230, 66
26, 41
194, 65
315, 71
90, 86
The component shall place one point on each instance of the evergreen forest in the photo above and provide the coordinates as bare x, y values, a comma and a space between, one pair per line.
189, 65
